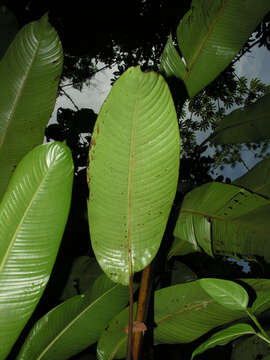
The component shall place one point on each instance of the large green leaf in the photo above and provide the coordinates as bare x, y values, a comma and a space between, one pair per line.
223, 219
76, 323
134, 161
183, 313
33, 214
223, 337
247, 124
209, 36
29, 76
257, 179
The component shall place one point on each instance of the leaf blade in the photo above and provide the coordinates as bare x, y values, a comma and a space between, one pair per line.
247, 124
136, 131
212, 32
223, 337
30, 73
67, 330
34, 212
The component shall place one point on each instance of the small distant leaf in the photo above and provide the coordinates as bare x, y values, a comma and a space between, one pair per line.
223, 337
247, 124
226, 293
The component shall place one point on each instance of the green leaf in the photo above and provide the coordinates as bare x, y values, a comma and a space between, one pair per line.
223, 219
209, 36
83, 274
134, 162
181, 273
250, 348
171, 62
257, 179
183, 313
223, 337
30, 73
262, 301
247, 124
76, 323
33, 215
226, 293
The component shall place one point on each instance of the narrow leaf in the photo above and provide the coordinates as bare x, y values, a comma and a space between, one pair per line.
247, 124
209, 36
134, 161
226, 293
30, 73
75, 324
33, 215
223, 337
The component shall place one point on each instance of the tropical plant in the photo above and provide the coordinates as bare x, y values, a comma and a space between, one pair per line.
133, 204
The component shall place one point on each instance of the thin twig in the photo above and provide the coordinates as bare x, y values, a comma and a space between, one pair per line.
93, 74
69, 97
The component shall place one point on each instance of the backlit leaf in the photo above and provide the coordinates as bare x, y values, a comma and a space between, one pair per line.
134, 161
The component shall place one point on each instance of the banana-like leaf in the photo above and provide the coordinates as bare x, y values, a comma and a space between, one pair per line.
33, 215
134, 162
223, 337
247, 124
76, 323
209, 36
183, 313
29, 77
223, 219
257, 179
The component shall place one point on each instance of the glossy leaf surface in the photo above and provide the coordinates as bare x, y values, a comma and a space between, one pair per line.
223, 219
223, 337
226, 293
257, 179
76, 323
247, 124
30, 73
134, 162
183, 313
33, 215
209, 36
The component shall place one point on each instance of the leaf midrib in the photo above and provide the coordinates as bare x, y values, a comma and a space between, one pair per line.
76, 318
205, 38
13, 239
227, 219
130, 178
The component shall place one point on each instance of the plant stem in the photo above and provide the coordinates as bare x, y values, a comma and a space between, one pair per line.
130, 320
142, 308
263, 334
